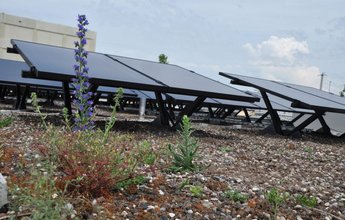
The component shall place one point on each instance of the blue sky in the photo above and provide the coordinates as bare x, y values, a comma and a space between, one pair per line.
286, 40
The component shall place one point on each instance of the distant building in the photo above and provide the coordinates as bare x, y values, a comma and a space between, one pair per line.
14, 27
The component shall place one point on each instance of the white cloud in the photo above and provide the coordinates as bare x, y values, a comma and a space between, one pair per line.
281, 59
303, 75
275, 49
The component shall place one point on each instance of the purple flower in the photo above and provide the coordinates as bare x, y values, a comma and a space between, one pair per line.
82, 98
83, 41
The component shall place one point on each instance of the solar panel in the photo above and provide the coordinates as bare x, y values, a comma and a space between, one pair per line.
183, 81
278, 104
56, 63
10, 73
299, 98
317, 92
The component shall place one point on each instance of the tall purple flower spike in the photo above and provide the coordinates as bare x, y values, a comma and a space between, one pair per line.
82, 94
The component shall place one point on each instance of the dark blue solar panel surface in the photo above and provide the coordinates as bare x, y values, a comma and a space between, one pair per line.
11, 73
179, 78
289, 93
60, 61
278, 104
317, 92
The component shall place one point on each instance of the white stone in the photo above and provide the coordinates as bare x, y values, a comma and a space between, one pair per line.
299, 217
3, 191
207, 204
255, 189
161, 192
171, 215
150, 207
124, 213
190, 211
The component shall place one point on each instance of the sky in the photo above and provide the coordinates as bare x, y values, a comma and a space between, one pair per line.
285, 40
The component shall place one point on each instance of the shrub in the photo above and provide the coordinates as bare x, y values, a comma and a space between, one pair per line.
88, 166
184, 152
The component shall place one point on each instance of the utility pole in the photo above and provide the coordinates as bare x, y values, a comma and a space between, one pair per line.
321, 82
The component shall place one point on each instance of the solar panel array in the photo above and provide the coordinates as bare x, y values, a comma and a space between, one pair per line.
55, 63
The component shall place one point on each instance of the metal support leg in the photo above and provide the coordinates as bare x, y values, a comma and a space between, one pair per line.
164, 120
325, 127
228, 112
53, 97
259, 120
18, 96
210, 111
189, 109
220, 112
274, 115
2, 95
238, 112
304, 124
296, 118
96, 98
22, 103
247, 115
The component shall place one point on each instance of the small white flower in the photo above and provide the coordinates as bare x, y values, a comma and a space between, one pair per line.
54, 196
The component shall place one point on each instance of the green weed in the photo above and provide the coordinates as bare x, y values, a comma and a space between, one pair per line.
235, 196
183, 184
308, 150
138, 180
307, 201
184, 152
226, 149
196, 191
37, 108
275, 199
40, 197
5, 122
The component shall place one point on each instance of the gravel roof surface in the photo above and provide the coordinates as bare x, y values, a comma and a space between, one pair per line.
247, 161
